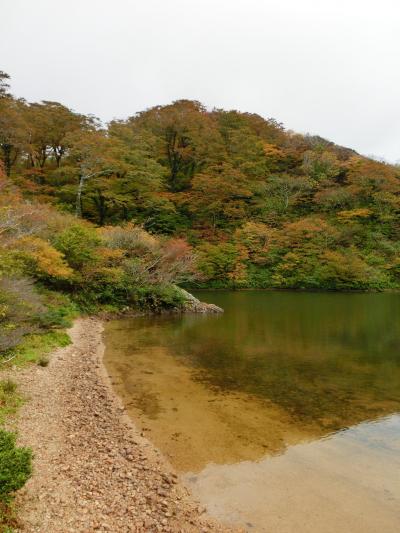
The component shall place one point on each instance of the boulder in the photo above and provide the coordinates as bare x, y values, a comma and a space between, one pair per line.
194, 305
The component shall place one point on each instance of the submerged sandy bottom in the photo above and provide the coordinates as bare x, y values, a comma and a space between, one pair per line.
247, 459
348, 482
193, 425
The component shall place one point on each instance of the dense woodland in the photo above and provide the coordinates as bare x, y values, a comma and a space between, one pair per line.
179, 194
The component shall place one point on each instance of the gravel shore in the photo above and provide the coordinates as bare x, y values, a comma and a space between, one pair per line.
93, 471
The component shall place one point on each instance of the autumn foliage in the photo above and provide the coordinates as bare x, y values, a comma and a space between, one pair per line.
252, 204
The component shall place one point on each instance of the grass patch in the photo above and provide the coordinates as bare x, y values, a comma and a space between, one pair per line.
35, 348
10, 400
8, 518
44, 331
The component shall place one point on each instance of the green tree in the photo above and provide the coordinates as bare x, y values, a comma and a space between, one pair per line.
13, 131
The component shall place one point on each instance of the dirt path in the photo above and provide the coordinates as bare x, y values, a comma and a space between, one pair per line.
93, 471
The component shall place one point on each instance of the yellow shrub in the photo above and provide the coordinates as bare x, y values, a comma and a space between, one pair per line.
48, 260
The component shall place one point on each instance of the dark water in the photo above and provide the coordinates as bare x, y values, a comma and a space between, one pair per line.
254, 394
328, 358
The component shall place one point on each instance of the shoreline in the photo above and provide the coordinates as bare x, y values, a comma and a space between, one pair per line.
292, 289
93, 470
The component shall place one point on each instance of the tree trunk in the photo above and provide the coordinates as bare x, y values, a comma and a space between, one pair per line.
82, 178
78, 209
7, 158
58, 153
43, 157
100, 203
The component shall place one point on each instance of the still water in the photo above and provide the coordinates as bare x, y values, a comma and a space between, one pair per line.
282, 414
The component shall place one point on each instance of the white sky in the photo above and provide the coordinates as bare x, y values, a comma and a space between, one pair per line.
327, 67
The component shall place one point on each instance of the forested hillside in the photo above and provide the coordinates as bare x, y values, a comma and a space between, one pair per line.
253, 204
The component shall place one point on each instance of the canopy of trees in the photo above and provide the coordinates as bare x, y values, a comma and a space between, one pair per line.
259, 206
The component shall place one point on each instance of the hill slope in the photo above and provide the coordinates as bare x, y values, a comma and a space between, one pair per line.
261, 206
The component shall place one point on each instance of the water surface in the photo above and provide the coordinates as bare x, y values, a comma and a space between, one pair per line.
282, 413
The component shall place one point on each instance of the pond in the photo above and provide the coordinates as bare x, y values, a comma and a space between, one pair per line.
282, 414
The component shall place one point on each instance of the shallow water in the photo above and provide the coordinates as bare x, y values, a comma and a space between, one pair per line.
282, 414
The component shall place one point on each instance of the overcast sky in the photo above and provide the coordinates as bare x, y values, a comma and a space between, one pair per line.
327, 67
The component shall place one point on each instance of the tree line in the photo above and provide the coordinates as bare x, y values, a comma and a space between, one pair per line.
259, 206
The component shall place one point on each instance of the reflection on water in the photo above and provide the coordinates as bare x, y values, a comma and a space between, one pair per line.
240, 402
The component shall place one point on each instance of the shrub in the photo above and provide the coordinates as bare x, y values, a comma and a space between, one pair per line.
78, 244
58, 317
15, 465
158, 298
43, 261
134, 240
218, 261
